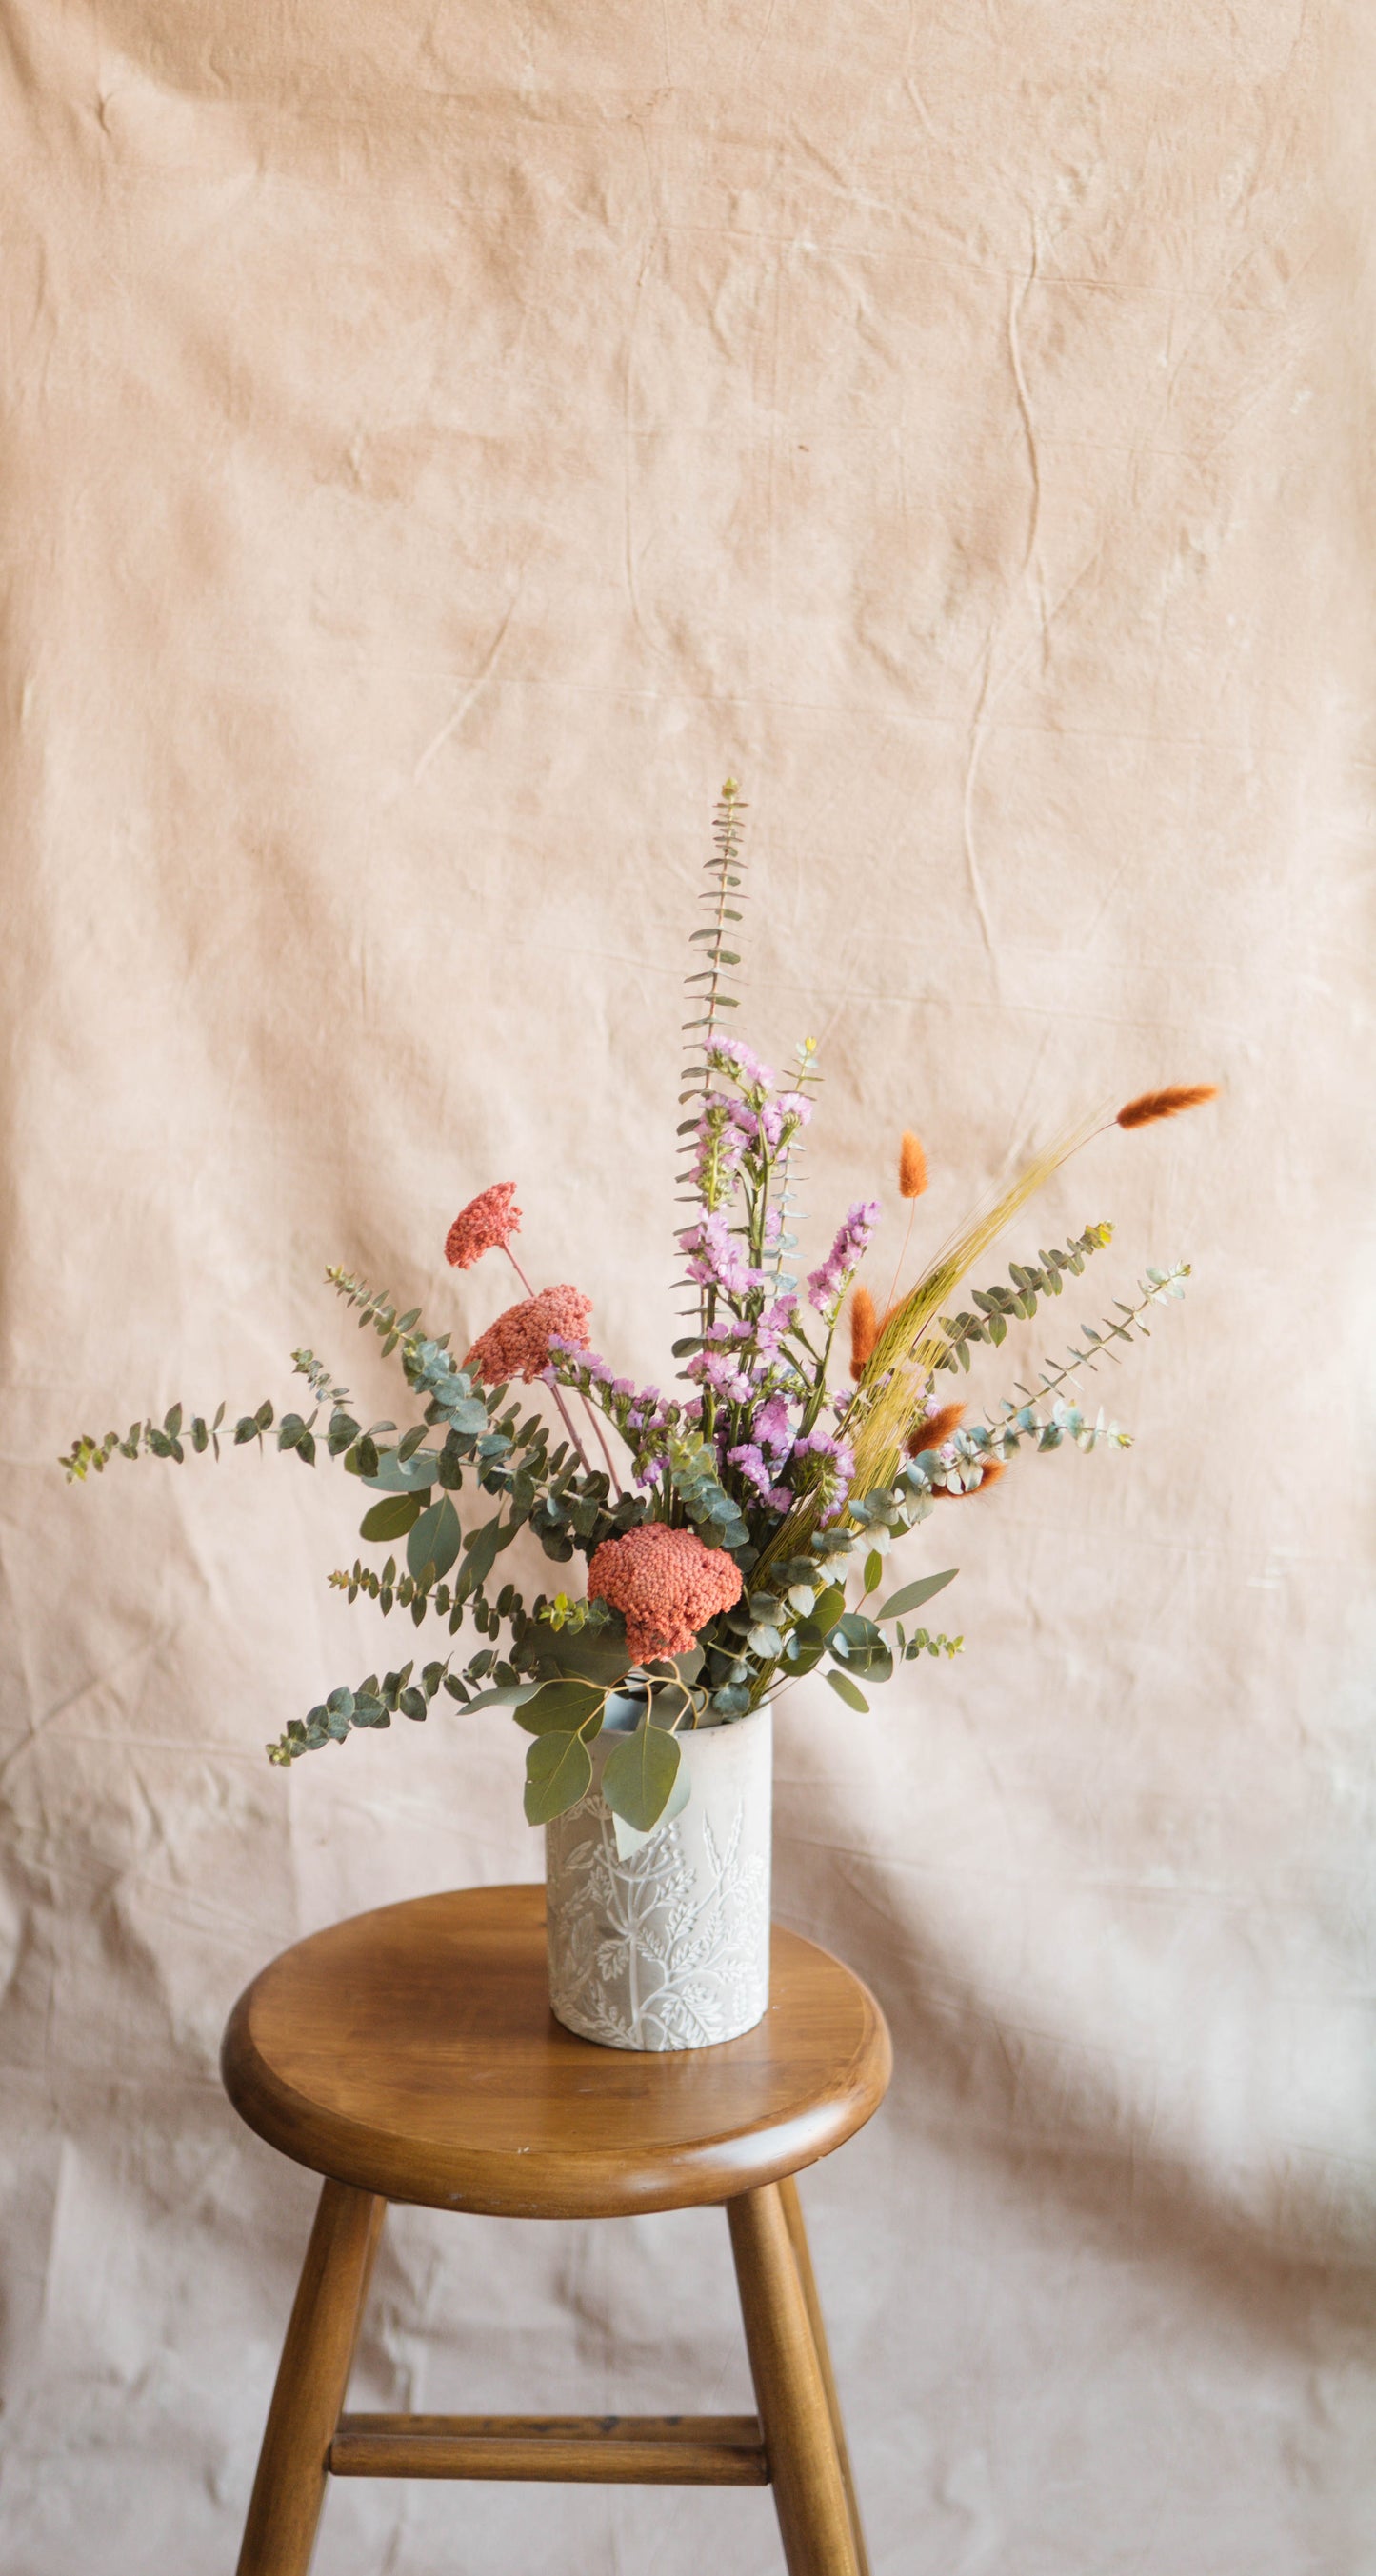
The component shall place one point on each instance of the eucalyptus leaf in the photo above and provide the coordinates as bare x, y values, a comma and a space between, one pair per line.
391, 1519
435, 1539
561, 1708
481, 1551
558, 1774
398, 1475
913, 1595
733, 1699
466, 1414
629, 1839
600, 1656
847, 1690
639, 1776
860, 1634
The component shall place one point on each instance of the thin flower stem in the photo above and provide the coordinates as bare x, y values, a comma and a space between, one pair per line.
594, 1419
567, 1419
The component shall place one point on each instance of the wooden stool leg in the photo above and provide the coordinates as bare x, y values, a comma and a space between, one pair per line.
797, 2237
312, 2376
790, 2392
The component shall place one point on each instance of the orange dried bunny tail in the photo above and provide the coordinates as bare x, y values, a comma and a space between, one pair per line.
990, 1476
912, 1166
1151, 1105
938, 1427
864, 1330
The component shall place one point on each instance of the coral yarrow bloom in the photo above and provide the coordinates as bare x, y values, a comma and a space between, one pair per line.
517, 1345
665, 1584
485, 1225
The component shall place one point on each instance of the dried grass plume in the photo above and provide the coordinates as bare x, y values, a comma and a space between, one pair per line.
1151, 1105
912, 1166
864, 1330
937, 1428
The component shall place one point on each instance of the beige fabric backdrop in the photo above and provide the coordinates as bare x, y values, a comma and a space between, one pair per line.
440, 442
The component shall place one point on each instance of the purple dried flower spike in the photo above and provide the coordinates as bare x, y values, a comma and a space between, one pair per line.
828, 1285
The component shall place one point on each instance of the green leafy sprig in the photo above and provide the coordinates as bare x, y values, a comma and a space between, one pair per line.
1000, 1306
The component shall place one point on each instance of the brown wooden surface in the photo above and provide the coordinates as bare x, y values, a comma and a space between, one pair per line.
312, 2376
412, 2052
809, 2491
610, 2450
807, 2282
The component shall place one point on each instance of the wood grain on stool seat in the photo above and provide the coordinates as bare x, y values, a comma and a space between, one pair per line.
411, 2052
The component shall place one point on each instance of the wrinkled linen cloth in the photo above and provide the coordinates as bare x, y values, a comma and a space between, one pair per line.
439, 445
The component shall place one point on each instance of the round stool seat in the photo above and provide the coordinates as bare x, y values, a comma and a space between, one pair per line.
412, 2053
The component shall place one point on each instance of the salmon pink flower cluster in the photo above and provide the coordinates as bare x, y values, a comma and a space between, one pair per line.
517, 1345
487, 1224
665, 1584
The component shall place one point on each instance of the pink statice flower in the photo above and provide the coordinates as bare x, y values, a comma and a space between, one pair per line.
517, 1345
774, 1323
772, 1428
719, 1144
723, 1374
665, 1584
734, 1057
835, 1466
717, 1259
750, 1461
485, 1225
641, 1414
828, 1285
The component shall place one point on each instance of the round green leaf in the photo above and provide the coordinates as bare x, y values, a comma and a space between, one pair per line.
397, 1475
639, 1776
560, 1708
391, 1519
435, 1539
558, 1774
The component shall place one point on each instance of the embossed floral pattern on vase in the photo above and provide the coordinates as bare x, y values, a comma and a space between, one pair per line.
668, 1947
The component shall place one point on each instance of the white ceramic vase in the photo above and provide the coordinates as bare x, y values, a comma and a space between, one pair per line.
667, 1945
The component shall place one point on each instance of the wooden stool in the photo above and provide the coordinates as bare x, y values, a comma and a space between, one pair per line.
411, 2054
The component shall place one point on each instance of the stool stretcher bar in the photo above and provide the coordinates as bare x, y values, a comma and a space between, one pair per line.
605, 2450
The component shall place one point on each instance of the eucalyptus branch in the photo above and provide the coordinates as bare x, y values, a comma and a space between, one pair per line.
1157, 1288
725, 870
999, 1305
378, 1310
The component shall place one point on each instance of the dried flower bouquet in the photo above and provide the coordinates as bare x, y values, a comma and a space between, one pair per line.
723, 1528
